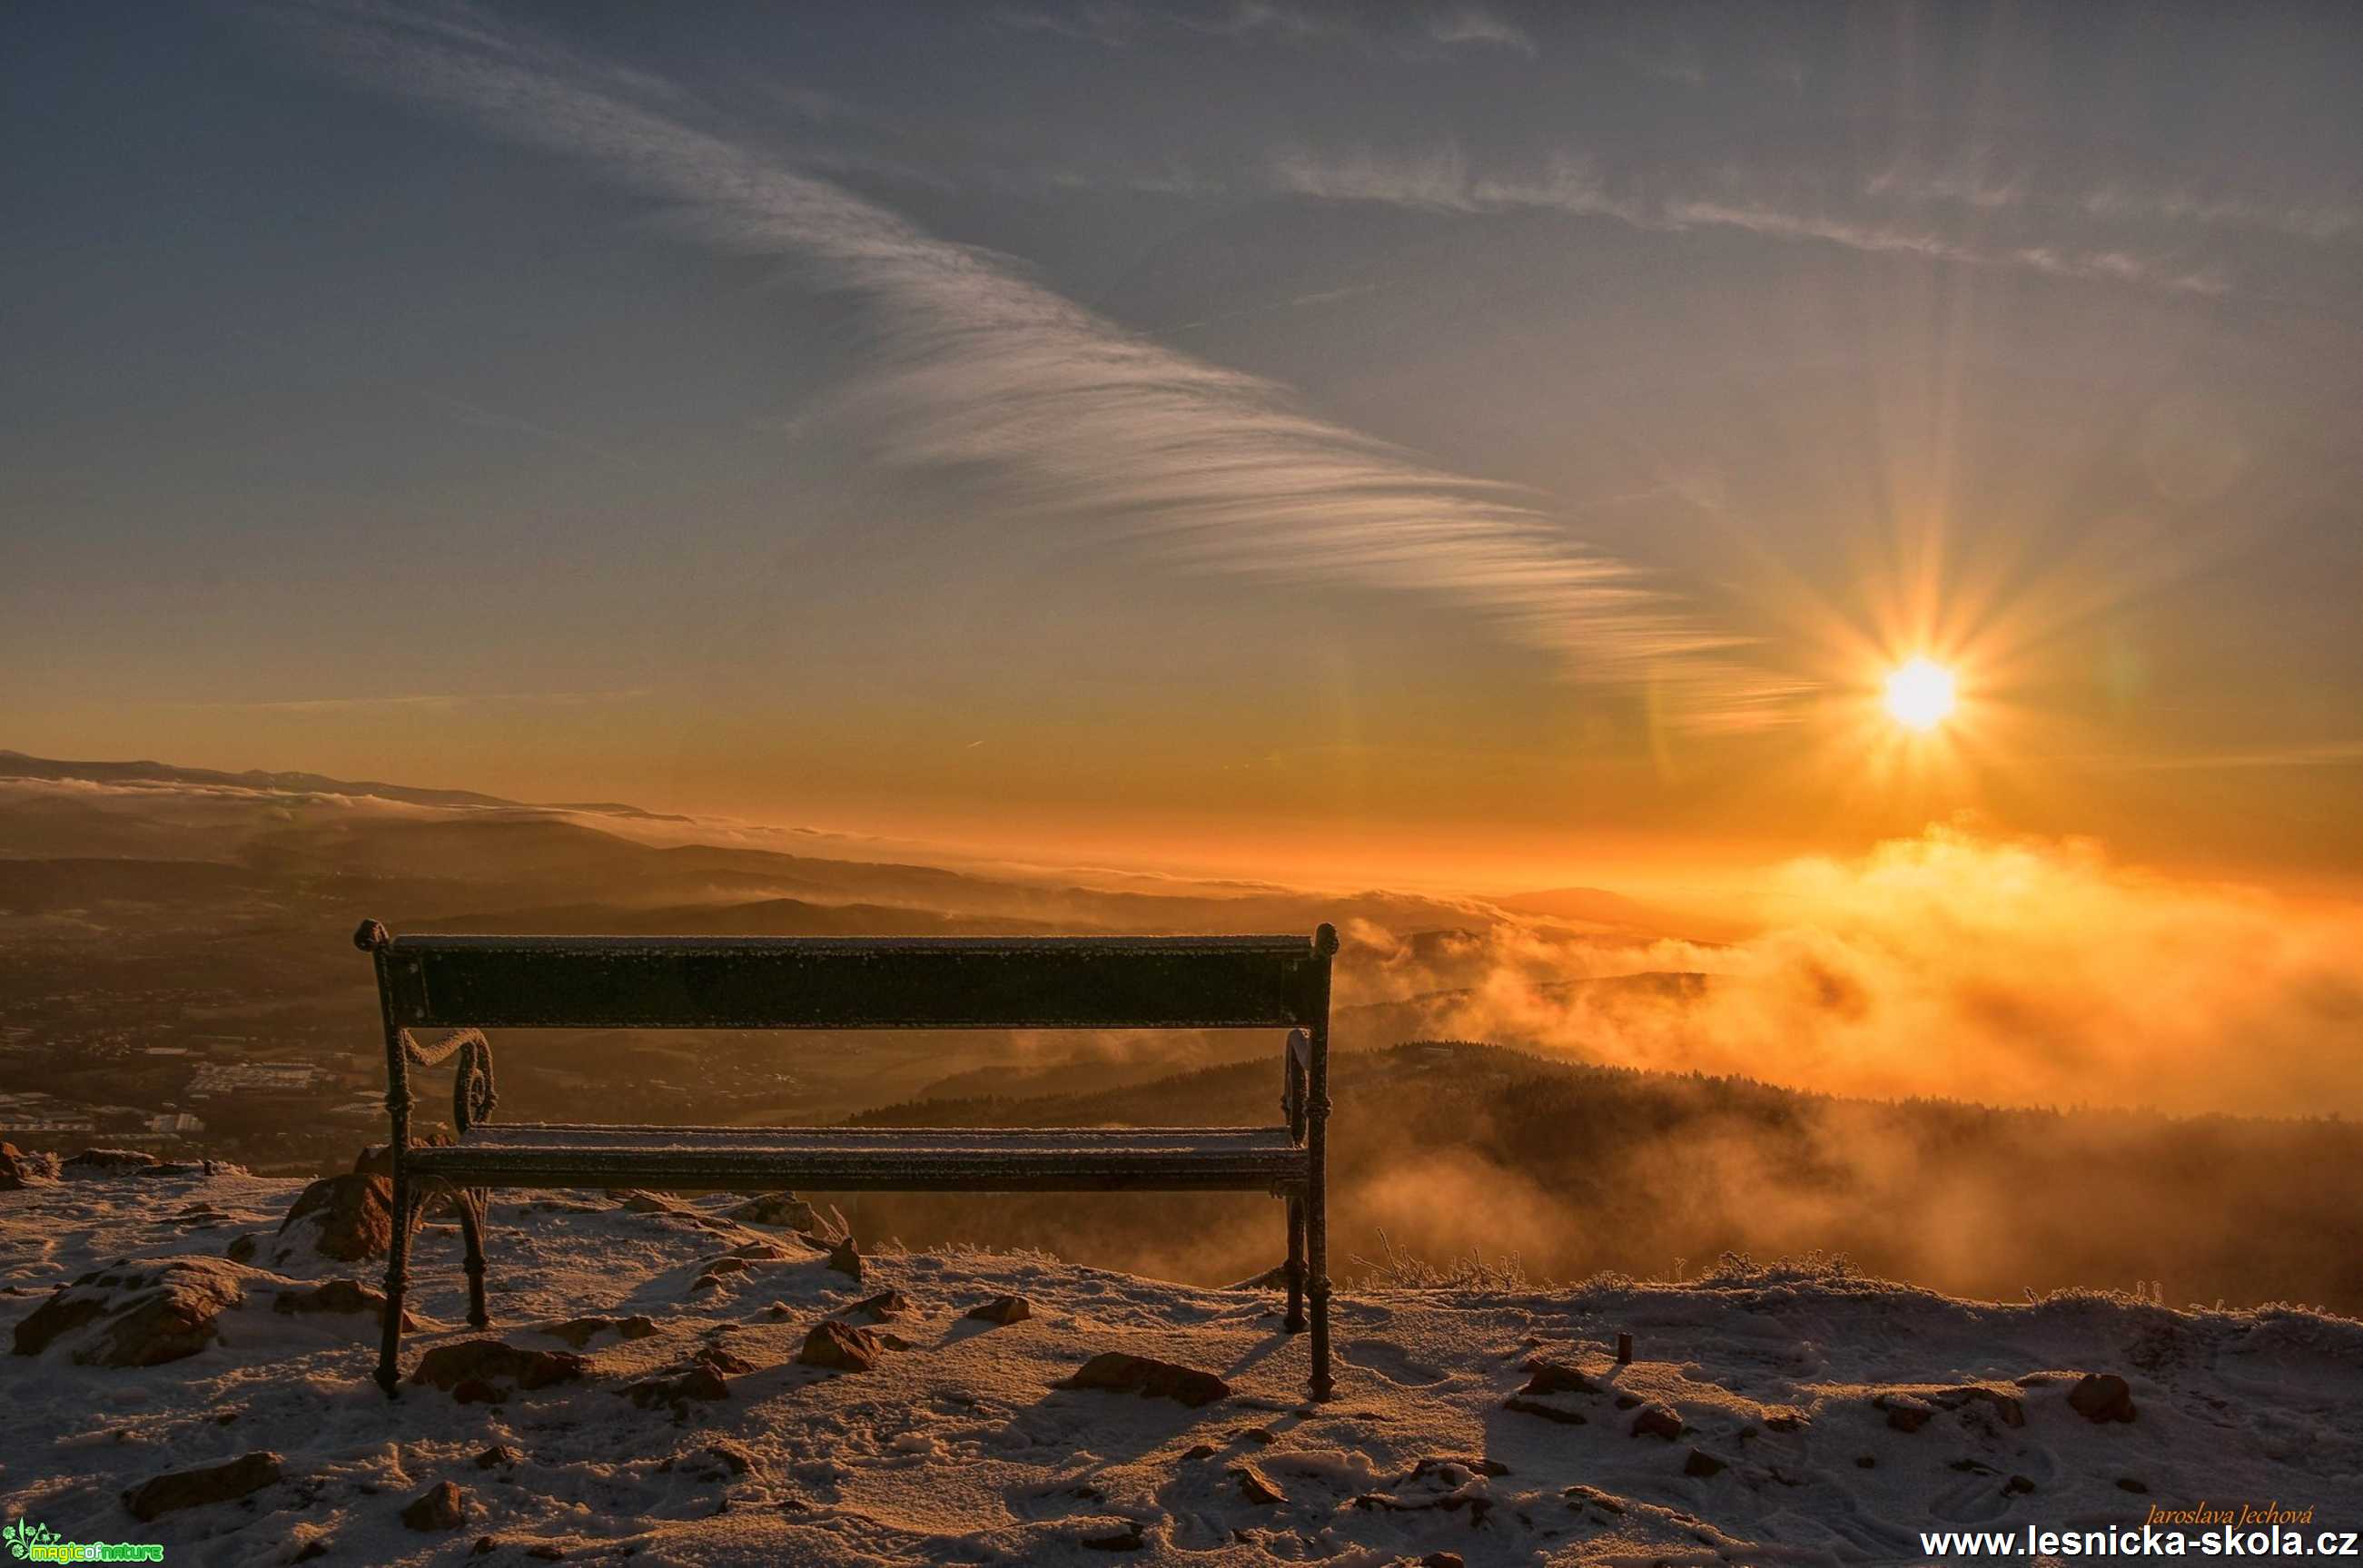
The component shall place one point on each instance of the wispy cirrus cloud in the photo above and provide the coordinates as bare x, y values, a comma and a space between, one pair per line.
1053, 413
1443, 181
478, 416
1475, 25
432, 701
1970, 182
2308, 753
2321, 220
1117, 24
1113, 25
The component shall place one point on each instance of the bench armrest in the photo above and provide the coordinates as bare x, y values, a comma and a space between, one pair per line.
473, 1095
1294, 1067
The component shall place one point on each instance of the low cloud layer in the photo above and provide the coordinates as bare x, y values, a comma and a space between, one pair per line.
2004, 970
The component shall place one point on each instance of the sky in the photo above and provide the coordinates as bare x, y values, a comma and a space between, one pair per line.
1453, 442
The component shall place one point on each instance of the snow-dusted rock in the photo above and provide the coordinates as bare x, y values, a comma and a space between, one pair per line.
447, 1367
1557, 1377
1564, 1416
787, 1212
705, 1378
1150, 1378
1002, 1309
580, 1331
19, 1170
346, 1217
839, 1346
2103, 1396
100, 1163
440, 1508
712, 1275
884, 1307
342, 1296
1256, 1486
1656, 1421
137, 1315
227, 1482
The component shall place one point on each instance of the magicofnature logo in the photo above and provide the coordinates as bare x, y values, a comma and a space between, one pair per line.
38, 1543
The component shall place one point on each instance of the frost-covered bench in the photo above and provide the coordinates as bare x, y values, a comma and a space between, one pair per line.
462, 985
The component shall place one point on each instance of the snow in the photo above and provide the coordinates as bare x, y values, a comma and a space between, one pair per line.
958, 1449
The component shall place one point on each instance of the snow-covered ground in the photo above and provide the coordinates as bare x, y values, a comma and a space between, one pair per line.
1821, 1419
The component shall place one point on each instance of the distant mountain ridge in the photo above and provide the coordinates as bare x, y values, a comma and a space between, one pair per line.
19, 765
1598, 906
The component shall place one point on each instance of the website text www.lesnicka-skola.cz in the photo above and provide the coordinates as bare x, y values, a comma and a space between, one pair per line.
2138, 1540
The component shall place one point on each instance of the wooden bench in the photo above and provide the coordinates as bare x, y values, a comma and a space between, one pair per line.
464, 984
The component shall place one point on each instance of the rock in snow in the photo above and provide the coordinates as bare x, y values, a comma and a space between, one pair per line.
839, 1346
788, 1211
137, 1315
20, 1169
1149, 1377
884, 1306
581, 1331
492, 1361
177, 1489
347, 1217
1548, 1412
1556, 1377
1255, 1488
98, 1164
1002, 1309
338, 1295
703, 1440
2103, 1396
441, 1507
1656, 1421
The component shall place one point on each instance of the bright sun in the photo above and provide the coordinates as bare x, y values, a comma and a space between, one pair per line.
1920, 694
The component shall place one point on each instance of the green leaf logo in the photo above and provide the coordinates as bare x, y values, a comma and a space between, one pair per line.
24, 1535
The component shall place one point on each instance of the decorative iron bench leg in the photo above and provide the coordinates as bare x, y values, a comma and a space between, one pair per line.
472, 1099
1292, 1060
1316, 1183
1323, 1385
372, 938
473, 1204
1295, 1321
397, 1280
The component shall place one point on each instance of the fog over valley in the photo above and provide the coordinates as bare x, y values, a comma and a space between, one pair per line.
1900, 1058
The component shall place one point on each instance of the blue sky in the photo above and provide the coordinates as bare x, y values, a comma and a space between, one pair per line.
1195, 421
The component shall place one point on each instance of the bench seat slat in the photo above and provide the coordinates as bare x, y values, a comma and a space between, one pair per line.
602, 1136
874, 1159
792, 982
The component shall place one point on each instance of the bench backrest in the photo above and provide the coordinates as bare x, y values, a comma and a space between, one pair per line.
699, 982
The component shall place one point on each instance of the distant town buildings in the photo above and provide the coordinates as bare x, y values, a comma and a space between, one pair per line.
251, 1078
32, 1114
